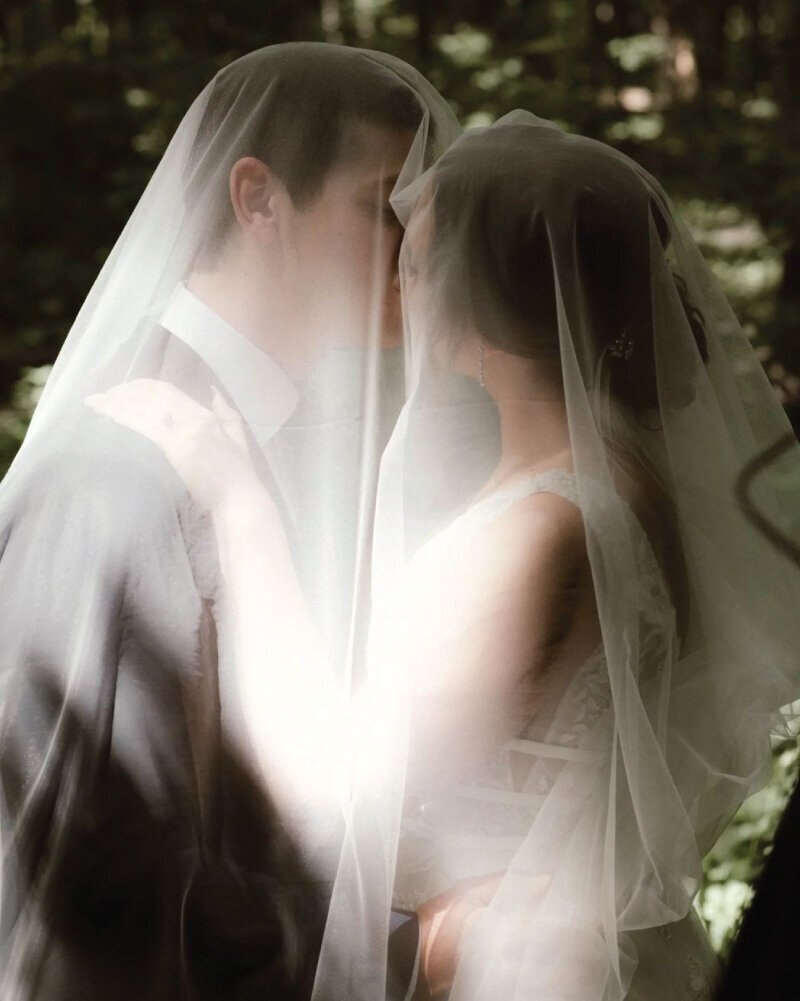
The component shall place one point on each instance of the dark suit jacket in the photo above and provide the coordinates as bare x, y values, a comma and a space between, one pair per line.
146, 863
762, 963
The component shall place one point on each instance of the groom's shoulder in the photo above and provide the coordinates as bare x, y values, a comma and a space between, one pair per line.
85, 463
92, 456
96, 467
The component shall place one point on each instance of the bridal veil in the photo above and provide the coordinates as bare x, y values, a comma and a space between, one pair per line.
586, 794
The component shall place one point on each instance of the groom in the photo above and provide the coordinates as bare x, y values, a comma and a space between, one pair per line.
141, 858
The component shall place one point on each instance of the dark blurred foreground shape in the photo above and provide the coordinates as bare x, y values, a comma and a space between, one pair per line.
763, 958
180, 899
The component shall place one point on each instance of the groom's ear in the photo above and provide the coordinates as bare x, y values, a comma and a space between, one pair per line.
254, 192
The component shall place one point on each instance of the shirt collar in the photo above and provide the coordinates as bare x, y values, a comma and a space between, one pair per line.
260, 389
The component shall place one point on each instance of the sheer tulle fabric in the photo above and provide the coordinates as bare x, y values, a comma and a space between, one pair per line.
193, 722
587, 787
145, 852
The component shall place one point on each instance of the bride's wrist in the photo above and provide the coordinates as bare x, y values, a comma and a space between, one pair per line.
243, 505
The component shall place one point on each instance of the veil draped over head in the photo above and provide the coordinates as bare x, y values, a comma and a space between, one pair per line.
586, 641
256, 281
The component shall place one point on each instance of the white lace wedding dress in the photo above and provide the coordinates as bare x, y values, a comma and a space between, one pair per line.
476, 827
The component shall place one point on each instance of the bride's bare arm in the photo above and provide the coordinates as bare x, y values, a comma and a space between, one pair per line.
294, 711
489, 620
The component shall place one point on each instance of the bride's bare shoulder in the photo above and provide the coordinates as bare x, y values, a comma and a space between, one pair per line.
538, 538
539, 528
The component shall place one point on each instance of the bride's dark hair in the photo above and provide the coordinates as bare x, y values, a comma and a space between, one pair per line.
501, 200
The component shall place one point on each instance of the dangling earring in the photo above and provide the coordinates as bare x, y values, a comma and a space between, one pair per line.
481, 379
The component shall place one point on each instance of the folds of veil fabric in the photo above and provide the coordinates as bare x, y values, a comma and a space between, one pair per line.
145, 854
578, 774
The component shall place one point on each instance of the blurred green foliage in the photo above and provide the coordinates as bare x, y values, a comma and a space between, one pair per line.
732, 867
705, 95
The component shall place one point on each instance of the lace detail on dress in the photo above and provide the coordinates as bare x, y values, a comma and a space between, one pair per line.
585, 700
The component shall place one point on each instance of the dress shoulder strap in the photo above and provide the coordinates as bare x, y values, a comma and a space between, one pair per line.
552, 481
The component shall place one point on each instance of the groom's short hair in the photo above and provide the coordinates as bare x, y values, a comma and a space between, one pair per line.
294, 107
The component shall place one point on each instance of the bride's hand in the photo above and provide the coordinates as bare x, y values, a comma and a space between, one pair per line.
206, 447
444, 921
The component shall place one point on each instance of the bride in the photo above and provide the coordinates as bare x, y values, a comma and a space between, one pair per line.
578, 645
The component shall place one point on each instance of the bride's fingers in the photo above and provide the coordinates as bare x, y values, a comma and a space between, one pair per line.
160, 399
148, 406
123, 408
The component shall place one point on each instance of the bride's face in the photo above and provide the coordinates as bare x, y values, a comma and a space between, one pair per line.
454, 344
414, 265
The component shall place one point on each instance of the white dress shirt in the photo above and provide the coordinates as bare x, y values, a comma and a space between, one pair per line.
261, 390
